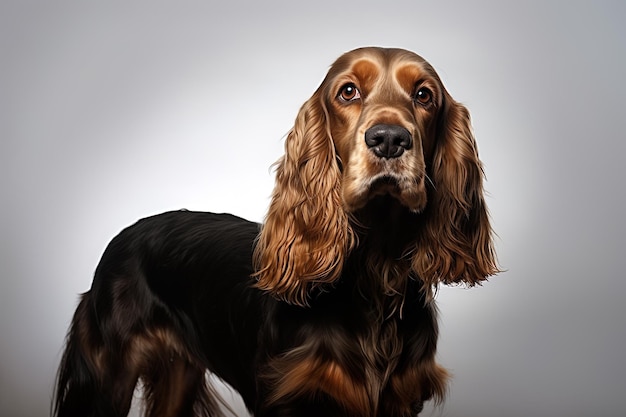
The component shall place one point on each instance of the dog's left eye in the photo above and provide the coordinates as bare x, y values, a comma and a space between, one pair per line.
349, 93
423, 96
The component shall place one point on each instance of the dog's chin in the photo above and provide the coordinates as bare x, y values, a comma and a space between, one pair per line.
409, 193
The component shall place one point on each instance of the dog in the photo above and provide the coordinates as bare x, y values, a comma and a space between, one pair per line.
325, 309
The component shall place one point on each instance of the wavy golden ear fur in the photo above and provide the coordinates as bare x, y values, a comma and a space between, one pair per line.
456, 243
306, 234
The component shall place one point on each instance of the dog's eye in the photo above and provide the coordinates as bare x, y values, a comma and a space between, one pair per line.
349, 93
423, 96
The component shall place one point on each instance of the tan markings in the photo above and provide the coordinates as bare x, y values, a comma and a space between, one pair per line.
310, 377
366, 72
407, 75
417, 384
155, 344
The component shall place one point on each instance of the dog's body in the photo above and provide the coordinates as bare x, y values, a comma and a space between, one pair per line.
326, 309
179, 286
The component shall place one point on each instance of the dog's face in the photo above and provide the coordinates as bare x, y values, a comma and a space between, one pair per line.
380, 124
382, 111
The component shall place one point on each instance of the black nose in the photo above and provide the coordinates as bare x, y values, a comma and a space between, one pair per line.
388, 141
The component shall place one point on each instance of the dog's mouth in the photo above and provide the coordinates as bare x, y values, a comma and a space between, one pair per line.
409, 192
386, 181
385, 184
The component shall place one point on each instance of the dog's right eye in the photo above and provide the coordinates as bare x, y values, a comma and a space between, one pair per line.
349, 92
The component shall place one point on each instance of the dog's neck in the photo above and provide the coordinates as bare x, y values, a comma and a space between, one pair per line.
379, 268
386, 229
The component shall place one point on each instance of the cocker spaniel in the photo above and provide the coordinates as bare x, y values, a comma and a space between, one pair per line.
327, 308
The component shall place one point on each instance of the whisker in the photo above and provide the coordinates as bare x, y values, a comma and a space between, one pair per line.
430, 181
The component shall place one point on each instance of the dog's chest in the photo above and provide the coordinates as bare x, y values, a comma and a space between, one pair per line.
350, 352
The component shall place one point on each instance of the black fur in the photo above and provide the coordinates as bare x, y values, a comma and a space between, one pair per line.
187, 277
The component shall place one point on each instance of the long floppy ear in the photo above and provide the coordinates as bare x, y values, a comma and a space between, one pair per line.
456, 243
306, 234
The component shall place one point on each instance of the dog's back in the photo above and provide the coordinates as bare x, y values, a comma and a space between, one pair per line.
156, 281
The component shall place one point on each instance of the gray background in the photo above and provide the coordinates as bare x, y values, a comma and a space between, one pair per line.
112, 113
